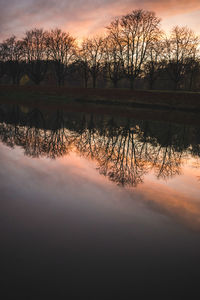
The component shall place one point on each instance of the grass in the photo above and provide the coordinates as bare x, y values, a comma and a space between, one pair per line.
120, 97
162, 106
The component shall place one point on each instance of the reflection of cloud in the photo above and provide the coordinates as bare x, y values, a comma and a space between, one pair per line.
27, 178
80, 17
174, 201
112, 153
122, 160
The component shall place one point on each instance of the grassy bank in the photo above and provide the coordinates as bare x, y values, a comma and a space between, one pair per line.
119, 97
122, 103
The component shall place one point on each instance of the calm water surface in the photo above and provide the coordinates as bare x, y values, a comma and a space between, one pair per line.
99, 205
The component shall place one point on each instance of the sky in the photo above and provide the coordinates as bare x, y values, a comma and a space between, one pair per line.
83, 18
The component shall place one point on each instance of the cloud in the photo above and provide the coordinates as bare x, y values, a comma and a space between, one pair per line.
173, 202
79, 17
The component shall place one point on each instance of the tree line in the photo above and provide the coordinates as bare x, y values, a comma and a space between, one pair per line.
134, 50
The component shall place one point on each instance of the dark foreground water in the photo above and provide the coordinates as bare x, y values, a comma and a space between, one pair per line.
96, 206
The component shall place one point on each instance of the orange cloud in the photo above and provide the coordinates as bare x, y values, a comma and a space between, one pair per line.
89, 17
181, 204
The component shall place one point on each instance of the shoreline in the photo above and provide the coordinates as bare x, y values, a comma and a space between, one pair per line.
123, 99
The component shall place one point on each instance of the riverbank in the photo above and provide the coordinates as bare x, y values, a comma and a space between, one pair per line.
118, 97
55, 99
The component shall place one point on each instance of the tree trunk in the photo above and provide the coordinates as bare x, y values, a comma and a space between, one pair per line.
86, 82
132, 83
115, 82
94, 82
191, 82
59, 81
151, 84
175, 85
13, 80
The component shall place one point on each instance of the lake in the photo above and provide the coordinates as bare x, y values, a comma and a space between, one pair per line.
97, 204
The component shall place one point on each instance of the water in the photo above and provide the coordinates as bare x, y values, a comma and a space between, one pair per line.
97, 204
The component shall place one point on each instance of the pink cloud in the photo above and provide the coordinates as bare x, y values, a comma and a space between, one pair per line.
88, 17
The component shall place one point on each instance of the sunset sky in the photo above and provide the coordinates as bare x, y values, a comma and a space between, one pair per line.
87, 17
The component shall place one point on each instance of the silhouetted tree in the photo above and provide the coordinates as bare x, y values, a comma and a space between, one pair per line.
62, 50
113, 60
12, 55
192, 72
133, 48
36, 55
83, 64
92, 53
135, 31
154, 61
180, 46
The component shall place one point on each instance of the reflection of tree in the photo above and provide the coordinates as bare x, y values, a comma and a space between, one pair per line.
116, 153
123, 163
167, 162
36, 142
165, 148
123, 151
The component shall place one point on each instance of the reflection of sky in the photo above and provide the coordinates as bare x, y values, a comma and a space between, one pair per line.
74, 180
83, 18
62, 218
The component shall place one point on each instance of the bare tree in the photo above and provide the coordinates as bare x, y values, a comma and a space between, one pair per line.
2, 61
135, 32
134, 48
12, 55
113, 60
83, 64
92, 53
192, 69
62, 50
180, 46
36, 55
154, 61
